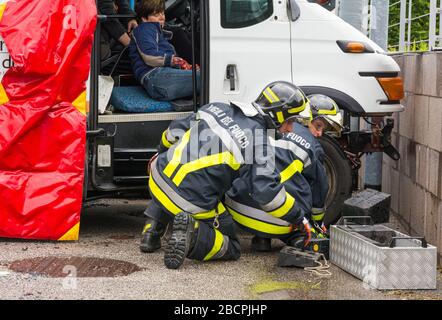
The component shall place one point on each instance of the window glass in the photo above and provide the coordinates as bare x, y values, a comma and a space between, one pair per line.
244, 13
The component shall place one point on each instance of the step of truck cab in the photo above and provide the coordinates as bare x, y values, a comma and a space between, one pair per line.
130, 165
136, 138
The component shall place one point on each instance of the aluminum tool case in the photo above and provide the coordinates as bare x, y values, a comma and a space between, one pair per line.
382, 257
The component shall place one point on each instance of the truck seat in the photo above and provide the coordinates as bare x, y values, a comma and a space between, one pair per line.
135, 99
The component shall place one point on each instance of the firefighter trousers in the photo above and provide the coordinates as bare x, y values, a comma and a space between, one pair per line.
260, 223
216, 236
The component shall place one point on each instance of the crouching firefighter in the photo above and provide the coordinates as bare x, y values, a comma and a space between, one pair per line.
207, 152
299, 158
326, 117
290, 161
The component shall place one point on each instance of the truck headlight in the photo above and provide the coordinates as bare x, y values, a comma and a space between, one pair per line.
354, 46
393, 88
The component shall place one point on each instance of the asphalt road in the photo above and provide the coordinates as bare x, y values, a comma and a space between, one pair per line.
110, 229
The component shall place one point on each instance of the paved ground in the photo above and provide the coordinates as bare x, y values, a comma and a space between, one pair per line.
111, 229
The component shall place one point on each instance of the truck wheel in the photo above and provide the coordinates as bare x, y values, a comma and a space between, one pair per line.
339, 179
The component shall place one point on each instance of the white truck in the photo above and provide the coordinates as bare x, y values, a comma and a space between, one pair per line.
244, 45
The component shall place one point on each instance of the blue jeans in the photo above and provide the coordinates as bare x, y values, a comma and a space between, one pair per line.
167, 84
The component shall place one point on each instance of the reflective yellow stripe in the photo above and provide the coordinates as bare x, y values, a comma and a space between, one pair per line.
204, 162
219, 240
298, 109
318, 216
147, 227
163, 198
174, 209
80, 103
287, 173
259, 225
204, 215
274, 96
285, 208
267, 97
280, 116
331, 112
72, 234
3, 96
176, 159
2, 10
210, 214
164, 140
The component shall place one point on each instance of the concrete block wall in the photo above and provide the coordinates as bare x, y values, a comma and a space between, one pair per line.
415, 181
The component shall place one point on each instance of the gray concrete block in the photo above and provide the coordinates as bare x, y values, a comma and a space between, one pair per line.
409, 73
434, 174
429, 65
434, 136
422, 165
395, 142
405, 190
407, 163
440, 176
386, 178
439, 73
400, 60
432, 218
394, 190
403, 161
418, 89
400, 223
421, 118
417, 212
439, 228
406, 117
395, 117
411, 160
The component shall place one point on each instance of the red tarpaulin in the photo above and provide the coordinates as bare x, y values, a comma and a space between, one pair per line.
43, 116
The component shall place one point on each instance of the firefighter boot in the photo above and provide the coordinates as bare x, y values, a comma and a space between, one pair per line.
261, 244
182, 240
152, 233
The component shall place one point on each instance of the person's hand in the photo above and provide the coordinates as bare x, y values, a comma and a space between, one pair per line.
181, 63
307, 228
124, 39
132, 25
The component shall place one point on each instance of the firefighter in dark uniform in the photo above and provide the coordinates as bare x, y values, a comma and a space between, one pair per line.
326, 117
299, 158
207, 152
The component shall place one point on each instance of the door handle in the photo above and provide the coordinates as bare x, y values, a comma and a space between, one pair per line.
230, 75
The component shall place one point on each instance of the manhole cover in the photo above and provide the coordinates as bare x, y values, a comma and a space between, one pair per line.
81, 267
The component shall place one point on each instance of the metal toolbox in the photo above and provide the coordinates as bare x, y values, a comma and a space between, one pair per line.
382, 257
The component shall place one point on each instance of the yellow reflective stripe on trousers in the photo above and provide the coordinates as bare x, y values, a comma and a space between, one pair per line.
204, 162
177, 153
164, 140
219, 240
163, 198
318, 217
174, 209
285, 208
287, 173
259, 225
210, 214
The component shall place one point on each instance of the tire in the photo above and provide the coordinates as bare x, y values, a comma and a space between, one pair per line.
339, 175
